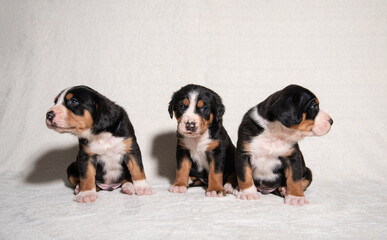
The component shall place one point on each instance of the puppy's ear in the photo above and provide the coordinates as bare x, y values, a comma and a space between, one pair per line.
219, 107
288, 113
171, 106
106, 113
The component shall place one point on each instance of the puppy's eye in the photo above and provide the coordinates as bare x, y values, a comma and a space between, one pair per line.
73, 102
314, 105
204, 109
182, 107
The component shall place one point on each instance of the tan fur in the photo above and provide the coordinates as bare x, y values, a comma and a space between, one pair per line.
215, 180
88, 183
248, 179
135, 171
182, 174
292, 187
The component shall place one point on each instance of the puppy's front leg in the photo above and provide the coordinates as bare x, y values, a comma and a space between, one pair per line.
87, 190
215, 177
182, 174
247, 191
140, 184
294, 187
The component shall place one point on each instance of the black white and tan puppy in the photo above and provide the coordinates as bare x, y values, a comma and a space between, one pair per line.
204, 150
268, 157
109, 156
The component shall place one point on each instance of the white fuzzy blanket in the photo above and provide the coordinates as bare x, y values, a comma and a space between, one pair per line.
137, 53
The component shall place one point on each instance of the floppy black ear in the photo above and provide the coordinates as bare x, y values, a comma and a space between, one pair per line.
106, 113
290, 117
287, 112
171, 106
220, 109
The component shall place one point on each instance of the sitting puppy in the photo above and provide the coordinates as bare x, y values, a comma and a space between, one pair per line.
268, 157
109, 156
204, 149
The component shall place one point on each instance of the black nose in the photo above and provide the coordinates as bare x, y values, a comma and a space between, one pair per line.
190, 126
50, 116
331, 121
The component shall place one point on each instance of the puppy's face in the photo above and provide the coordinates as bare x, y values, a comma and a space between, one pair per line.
73, 110
195, 108
298, 108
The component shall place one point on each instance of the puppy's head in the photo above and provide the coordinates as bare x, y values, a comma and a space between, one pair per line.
297, 108
77, 110
195, 108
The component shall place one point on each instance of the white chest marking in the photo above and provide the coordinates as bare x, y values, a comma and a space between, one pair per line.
109, 151
197, 148
267, 147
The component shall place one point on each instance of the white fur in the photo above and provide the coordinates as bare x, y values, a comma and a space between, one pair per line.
197, 148
128, 188
110, 151
276, 140
142, 187
86, 196
60, 112
321, 124
190, 116
250, 193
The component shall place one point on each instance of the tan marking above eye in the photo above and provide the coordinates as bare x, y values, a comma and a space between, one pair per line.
186, 102
200, 104
317, 101
69, 96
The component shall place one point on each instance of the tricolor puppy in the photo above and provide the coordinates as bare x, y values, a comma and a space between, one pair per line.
109, 156
204, 150
268, 157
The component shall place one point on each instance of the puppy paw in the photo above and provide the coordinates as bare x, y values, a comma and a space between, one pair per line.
128, 188
86, 197
294, 200
76, 190
177, 189
214, 193
247, 194
142, 188
228, 188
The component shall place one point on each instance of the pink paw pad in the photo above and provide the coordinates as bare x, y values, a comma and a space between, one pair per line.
178, 189
86, 197
247, 196
228, 188
215, 194
142, 187
128, 188
294, 200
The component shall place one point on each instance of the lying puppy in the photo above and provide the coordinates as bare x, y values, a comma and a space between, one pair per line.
268, 157
204, 150
109, 156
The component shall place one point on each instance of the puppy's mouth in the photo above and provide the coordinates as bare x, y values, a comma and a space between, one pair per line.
55, 127
189, 133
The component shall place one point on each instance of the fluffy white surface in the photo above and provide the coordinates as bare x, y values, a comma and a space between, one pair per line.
137, 53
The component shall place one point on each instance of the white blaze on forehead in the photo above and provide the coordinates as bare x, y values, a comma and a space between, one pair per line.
62, 96
190, 112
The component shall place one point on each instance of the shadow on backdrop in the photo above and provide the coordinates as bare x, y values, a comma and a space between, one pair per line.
164, 150
52, 165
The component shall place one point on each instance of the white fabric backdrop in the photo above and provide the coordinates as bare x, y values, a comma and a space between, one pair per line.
138, 53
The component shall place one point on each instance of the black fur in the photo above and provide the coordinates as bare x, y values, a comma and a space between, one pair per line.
286, 106
107, 117
224, 153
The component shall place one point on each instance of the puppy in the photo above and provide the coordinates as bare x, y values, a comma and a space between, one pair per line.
268, 157
109, 156
204, 150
